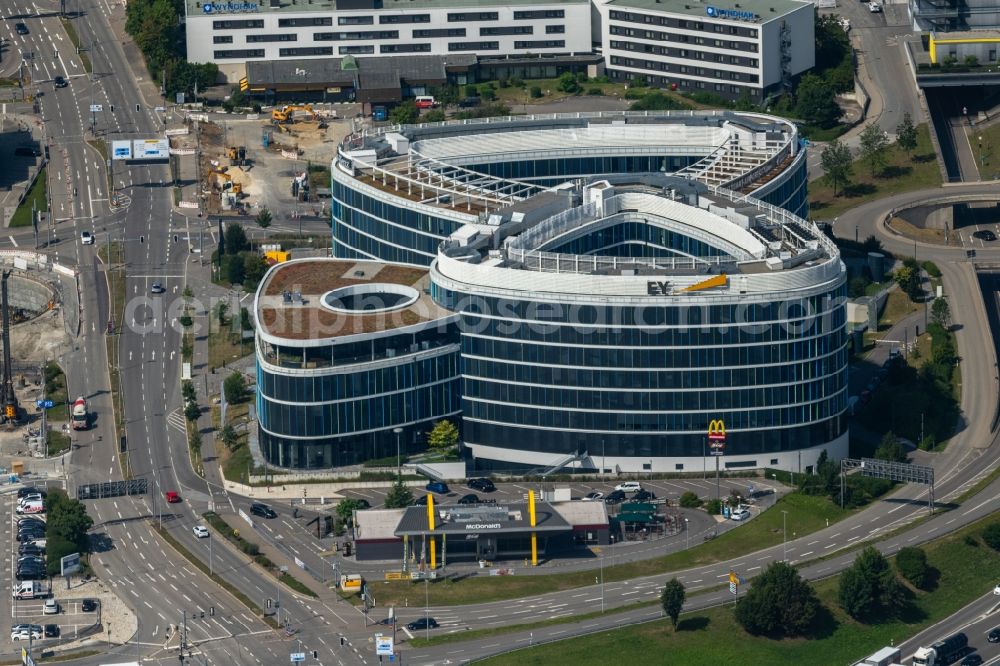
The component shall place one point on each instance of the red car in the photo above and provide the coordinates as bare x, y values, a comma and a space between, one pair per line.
173, 497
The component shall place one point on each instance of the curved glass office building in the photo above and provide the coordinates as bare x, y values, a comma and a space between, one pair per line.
347, 354
398, 192
612, 334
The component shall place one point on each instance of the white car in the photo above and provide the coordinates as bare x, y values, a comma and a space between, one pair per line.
25, 635
629, 487
996, 590
593, 497
200, 531
874, 7
740, 514
51, 607
86, 238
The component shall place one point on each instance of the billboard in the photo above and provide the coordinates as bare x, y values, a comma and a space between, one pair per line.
151, 149
69, 564
121, 150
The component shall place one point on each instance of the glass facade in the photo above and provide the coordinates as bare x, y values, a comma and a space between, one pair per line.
646, 381
345, 416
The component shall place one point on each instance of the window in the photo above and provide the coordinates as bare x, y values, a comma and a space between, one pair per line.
236, 25
541, 44
404, 48
306, 51
405, 18
474, 46
439, 32
348, 36
507, 30
306, 22
355, 50
539, 14
239, 53
284, 37
555, 29
222, 39
355, 20
458, 17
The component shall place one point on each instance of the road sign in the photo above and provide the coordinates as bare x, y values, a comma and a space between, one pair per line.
96, 108
732, 588
296, 657
26, 659
44, 404
383, 646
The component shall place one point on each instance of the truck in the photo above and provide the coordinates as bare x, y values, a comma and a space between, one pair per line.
887, 656
941, 652
30, 589
81, 419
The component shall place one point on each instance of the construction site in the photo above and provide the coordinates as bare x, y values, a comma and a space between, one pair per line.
246, 163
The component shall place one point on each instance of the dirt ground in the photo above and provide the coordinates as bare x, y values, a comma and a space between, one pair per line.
39, 339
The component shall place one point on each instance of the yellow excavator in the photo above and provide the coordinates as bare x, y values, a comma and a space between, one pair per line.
286, 114
226, 182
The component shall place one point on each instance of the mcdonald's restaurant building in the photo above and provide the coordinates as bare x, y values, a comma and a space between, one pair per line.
491, 532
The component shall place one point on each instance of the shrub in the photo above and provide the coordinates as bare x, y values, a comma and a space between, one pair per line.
991, 535
594, 91
535, 92
690, 500
911, 563
251, 549
713, 507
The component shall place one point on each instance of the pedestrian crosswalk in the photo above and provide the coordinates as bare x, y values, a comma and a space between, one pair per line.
176, 420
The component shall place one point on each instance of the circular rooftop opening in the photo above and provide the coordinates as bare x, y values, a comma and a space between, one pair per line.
369, 298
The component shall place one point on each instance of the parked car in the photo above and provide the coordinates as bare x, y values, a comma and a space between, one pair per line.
469, 102
51, 607
615, 497
629, 487
739, 514
21, 28
420, 501
994, 635
88, 605
25, 635
439, 487
200, 531
29, 490
644, 496
423, 623
471, 498
52, 631
593, 497
30, 549
996, 590
263, 510
984, 234
874, 7
482, 485
172, 497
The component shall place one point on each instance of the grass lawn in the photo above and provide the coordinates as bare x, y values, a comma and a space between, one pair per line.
712, 636
898, 306
806, 514
517, 97
222, 349
903, 173
36, 195
986, 148
234, 463
59, 413
935, 236
116, 280
73, 37
57, 442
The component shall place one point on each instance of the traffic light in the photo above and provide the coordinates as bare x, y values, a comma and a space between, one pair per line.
136, 107
112, 108
268, 603
142, 239
341, 641
315, 654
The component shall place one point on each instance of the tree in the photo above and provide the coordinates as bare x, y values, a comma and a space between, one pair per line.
837, 163
779, 603
234, 387
404, 113
868, 588
443, 437
672, 600
345, 510
234, 269
689, 500
236, 238
399, 495
874, 146
941, 312
263, 218
872, 244
568, 83
991, 535
188, 391
906, 134
253, 270
192, 411
908, 279
912, 565
890, 449
816, 103
229, 437
67, 520
220, 312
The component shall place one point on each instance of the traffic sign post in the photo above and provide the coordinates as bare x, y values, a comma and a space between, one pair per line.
297, 657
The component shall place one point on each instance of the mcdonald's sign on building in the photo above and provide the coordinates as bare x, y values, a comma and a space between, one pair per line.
717, 437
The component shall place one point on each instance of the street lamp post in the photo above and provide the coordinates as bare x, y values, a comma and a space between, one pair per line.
427, 607
981, 159
602, 581
784, 541
687, 534
211, 559
399, 432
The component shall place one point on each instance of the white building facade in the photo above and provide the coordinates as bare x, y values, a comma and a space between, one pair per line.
751, 48
229, 33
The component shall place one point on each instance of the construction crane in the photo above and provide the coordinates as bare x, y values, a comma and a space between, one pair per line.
7, 396
286, 114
